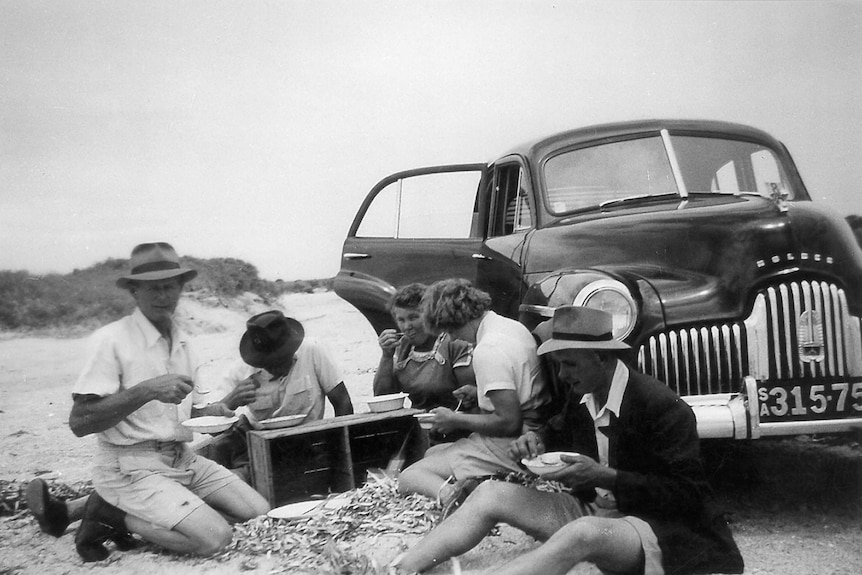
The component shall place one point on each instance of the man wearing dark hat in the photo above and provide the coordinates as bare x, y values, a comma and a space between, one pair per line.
635, 499
282, 373
134, 392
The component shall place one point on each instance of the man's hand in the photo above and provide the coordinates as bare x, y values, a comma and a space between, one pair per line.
217, 408
528, 445
243, 394
388, 340
582, 472
169, 388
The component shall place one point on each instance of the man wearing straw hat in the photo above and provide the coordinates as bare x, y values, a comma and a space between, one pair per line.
134, 393
632, 498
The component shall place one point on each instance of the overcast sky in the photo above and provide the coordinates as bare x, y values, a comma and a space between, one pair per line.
254, 129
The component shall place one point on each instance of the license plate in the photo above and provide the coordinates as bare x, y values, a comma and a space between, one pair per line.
795, 401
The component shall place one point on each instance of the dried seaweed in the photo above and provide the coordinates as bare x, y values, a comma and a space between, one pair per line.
324, 543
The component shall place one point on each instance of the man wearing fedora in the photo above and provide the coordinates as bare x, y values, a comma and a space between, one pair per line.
282, 373
632, 497
133, 393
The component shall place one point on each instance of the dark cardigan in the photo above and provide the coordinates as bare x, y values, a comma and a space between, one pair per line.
655, 449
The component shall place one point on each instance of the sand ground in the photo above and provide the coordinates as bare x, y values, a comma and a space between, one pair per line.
795, 504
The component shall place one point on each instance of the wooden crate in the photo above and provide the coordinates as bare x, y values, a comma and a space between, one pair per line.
327, 456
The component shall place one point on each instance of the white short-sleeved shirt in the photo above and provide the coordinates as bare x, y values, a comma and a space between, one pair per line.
125, 353
505, 358
301, 392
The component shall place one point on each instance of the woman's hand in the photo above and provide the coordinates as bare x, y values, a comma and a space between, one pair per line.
466, 394
388, 340
445, 420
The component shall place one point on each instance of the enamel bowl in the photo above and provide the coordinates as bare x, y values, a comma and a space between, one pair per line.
426, 420
388, 402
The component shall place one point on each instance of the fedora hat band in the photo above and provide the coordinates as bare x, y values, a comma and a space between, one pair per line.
155, 267
607, 336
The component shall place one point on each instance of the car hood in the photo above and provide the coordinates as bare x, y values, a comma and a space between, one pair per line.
707, 253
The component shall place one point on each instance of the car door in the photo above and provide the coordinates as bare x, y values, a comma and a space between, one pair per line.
421, 226
511, 221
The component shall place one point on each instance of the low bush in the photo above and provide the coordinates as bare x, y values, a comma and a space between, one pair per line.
89, 297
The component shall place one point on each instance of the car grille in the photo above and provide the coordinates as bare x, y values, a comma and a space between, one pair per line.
796, 330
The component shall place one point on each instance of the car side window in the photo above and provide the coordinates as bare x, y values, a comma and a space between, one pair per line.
435, 205
511, 210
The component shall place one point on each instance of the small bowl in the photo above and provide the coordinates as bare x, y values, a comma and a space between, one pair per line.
210, 423
280, 422
388, 402
426, 420
546, 462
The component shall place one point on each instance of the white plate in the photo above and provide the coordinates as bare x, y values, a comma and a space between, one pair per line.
546, 462
298, 510
284, 421
210, 423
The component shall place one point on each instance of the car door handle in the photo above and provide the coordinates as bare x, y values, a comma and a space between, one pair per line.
480, 257
354, 256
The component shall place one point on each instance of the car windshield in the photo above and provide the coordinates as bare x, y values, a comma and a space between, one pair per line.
588, 177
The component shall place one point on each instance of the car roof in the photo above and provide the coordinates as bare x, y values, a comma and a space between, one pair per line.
538, 147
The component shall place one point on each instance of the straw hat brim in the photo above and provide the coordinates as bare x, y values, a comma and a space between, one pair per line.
185, 274
560, 344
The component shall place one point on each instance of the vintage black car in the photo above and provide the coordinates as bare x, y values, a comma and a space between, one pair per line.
698, 236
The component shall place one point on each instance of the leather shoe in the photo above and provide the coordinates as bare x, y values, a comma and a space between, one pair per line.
51, 514
124, 541
102, 522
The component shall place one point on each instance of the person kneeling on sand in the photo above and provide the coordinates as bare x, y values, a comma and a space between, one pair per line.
634, 498
134, 392
282, 373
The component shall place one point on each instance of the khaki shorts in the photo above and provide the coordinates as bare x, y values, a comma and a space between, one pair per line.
162, 483
475, 456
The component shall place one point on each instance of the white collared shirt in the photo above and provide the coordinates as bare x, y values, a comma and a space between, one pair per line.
601, 415
125, 353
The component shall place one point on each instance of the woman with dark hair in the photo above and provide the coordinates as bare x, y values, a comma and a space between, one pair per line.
510, 391
434, 370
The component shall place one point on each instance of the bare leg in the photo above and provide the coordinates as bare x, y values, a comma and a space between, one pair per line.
425, 477
75, 508
612, 544
238, 502
537, 513
203, 532
206, 530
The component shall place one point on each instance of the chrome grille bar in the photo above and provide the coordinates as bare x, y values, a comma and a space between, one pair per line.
791, 325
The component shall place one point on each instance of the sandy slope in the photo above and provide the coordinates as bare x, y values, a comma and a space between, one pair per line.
36, 375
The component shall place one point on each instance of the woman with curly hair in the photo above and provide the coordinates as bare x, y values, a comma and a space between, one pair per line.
510, 391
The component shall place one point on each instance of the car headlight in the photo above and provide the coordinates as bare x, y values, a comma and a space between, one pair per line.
614, 298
